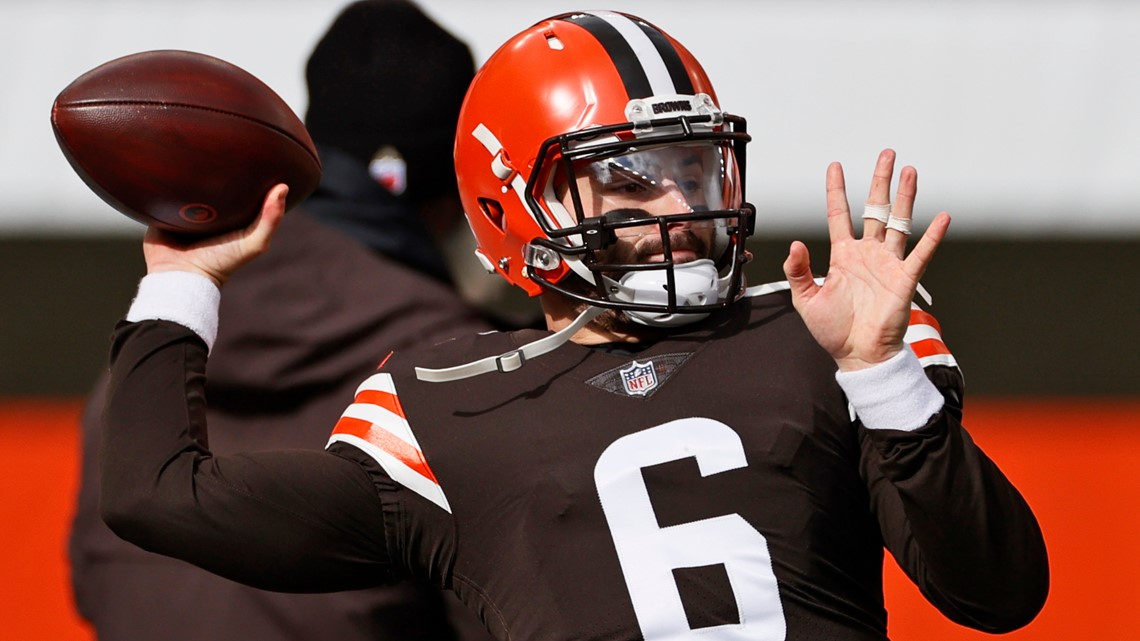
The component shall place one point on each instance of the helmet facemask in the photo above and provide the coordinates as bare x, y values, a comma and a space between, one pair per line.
648, 216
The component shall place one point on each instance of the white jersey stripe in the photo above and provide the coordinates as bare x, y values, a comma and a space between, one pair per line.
396, 469
383, 419
378, 383
394, 423
916, 333
947, 360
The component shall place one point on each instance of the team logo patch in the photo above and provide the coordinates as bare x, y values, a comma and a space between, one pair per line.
639, 379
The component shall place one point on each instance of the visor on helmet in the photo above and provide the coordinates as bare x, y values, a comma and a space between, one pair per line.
674, 179
613, 202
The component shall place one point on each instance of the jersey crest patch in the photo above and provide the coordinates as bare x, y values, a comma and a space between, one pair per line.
640, 379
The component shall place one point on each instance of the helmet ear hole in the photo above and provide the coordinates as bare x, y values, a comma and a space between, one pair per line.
493, 211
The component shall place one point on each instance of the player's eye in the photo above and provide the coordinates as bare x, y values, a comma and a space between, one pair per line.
625, 187
630, 188
689, 186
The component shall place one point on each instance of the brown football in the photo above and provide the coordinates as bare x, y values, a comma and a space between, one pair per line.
183, 141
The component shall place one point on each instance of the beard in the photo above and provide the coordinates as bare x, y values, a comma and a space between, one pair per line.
640, 250
685, 245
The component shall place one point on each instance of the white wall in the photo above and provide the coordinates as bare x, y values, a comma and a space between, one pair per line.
1022, 117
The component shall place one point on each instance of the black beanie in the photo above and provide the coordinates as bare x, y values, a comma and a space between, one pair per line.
385, 74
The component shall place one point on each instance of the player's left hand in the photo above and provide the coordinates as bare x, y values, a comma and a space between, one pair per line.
861, 312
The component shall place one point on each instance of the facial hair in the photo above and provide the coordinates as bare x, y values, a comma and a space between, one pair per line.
638, 251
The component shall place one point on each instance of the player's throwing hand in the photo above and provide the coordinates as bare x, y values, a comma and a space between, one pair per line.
216, 257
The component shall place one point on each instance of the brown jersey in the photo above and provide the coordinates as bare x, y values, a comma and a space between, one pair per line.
299, 328
713, 485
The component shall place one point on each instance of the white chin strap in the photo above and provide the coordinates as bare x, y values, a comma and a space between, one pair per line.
514, 359
696, 283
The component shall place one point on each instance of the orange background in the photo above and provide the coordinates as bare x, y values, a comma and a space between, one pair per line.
1075, 461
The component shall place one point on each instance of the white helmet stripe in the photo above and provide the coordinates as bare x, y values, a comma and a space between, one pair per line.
652, 63
491, 143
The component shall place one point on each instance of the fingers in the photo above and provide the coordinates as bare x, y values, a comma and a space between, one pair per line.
883, 221
919, 258
902, 212
879, 197
216, 257
838, 212
797, 269
272, 213
891, 229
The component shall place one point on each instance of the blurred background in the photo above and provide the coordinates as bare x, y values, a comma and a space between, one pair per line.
1023, 119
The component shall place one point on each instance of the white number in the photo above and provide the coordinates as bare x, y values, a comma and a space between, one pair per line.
649, 554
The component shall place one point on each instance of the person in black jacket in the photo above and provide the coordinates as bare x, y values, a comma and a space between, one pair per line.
355, 273
677, 456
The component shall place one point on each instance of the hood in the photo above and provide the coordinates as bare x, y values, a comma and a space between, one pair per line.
320, 309
350, 200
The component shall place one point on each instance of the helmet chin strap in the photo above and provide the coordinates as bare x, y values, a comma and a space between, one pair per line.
695, 283
512, 360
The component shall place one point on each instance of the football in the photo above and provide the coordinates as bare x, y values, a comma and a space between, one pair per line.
183, 141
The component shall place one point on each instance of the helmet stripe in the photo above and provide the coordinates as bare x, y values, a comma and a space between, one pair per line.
620, 52
673, 64
647, 63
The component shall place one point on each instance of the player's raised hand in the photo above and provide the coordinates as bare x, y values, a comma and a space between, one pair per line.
860, 313
216, 257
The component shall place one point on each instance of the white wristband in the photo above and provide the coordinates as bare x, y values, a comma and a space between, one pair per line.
894, 394
191, 300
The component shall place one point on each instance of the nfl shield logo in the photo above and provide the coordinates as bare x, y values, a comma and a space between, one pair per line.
639, 378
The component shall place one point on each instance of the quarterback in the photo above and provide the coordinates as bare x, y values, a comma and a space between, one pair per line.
678, 456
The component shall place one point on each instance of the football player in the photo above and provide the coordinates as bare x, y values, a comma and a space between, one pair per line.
678, 456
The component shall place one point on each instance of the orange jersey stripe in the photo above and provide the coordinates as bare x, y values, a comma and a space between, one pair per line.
929, 347
386, 400
919, 317
387, 442
382, 363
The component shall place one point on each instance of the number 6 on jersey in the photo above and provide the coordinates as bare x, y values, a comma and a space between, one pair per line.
648, 554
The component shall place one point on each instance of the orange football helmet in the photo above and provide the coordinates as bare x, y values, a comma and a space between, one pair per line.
608, 100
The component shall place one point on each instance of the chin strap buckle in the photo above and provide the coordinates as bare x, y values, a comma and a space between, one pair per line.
512, 360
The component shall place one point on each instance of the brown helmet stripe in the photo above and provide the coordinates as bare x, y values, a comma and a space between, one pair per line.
633, 70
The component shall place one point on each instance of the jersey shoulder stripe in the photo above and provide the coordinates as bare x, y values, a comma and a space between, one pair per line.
375, 423
924, 335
